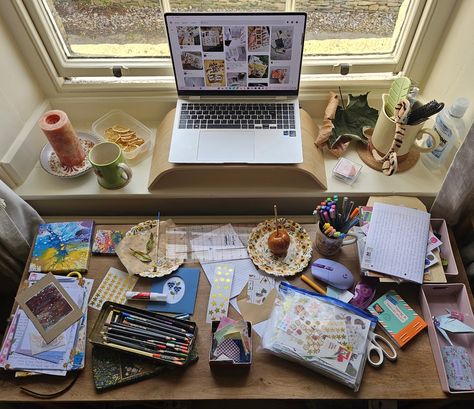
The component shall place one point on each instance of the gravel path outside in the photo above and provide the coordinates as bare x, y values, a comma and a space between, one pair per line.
114, 24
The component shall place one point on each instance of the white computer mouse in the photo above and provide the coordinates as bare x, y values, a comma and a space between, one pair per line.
332, 273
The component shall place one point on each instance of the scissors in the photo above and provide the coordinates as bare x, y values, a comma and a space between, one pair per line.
377, 349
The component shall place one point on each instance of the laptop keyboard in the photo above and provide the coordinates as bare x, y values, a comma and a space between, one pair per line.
237, 116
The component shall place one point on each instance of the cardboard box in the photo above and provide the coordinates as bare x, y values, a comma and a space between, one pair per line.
435, 299
213, 363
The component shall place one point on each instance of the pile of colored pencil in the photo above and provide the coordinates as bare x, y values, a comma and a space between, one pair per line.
153, 336
334, 219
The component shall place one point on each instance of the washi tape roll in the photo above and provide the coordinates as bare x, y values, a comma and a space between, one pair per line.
62, 137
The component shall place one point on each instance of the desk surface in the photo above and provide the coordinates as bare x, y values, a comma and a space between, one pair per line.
413, 376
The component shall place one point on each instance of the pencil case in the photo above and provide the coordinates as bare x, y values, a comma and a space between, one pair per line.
322, 333
147, 334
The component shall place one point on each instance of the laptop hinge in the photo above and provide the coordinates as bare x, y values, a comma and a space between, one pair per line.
281, 98
194, 98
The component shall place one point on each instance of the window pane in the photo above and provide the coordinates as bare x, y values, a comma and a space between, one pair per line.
210, 6
352, 27
110, 28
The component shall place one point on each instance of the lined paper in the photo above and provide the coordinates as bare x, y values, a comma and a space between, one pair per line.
396, 242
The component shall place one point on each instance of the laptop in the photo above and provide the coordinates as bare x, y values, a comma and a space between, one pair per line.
237, 77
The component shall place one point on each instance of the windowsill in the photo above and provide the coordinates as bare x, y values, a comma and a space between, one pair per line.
50, 194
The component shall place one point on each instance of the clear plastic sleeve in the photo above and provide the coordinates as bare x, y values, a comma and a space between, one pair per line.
322, 333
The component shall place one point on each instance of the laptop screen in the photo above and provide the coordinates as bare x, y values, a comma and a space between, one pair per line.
241, 54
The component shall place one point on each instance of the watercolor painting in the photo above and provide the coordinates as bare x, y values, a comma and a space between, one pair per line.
62, 247
105, 241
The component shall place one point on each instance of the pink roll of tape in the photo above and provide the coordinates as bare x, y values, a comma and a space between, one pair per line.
62, 137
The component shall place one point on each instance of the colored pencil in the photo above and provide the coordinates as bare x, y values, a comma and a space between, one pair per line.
142, 348
143, 353
156, 328
174, 322
146, 344
147, 332
313, 285
180, 331
161, 345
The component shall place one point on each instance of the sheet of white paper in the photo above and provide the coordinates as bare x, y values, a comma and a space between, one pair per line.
241, 274
396, 242
221, 244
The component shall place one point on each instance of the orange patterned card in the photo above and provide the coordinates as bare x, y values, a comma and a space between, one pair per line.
397, 318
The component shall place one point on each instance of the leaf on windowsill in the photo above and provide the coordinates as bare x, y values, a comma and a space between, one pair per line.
351, 122
326, 129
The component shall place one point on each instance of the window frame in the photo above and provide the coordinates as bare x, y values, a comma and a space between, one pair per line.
317, 72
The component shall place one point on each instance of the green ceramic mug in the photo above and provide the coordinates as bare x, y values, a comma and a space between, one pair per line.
109, 165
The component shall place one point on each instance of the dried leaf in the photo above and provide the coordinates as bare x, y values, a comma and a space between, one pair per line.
331, 108
140, 255
150, 244
324, 133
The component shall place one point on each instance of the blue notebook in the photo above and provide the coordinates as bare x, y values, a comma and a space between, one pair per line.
181, 288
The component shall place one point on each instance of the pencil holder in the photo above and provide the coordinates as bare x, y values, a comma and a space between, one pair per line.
329, 246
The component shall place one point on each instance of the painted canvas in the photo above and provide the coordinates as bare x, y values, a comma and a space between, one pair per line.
62, 247
105, 241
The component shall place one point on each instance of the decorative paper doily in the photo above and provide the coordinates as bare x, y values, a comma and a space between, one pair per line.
295, 260
138, 236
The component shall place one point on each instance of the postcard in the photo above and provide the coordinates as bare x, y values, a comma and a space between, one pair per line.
49, 307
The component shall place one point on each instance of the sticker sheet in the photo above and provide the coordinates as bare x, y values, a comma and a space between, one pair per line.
324, 334
113, 288
220, 292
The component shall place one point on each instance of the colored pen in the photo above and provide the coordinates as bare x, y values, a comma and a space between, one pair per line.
349, 211
355, 213
349, 225
313, 285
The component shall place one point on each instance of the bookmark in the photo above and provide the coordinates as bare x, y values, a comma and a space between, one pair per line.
220, 292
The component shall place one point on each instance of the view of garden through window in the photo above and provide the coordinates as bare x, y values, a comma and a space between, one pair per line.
135, 28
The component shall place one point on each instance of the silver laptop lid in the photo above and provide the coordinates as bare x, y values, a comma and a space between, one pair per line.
236, 54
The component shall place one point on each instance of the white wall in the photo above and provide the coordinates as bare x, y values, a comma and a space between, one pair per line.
452, 72
19, 92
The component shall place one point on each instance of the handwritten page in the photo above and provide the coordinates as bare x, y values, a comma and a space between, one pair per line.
396, 242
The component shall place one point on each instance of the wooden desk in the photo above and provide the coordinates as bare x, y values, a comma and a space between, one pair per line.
413, 376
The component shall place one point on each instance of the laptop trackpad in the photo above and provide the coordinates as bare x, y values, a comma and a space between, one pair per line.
226, 146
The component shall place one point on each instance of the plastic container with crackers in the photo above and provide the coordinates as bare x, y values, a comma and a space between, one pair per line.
133, 137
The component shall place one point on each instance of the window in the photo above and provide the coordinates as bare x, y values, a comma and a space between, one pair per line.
86, 38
